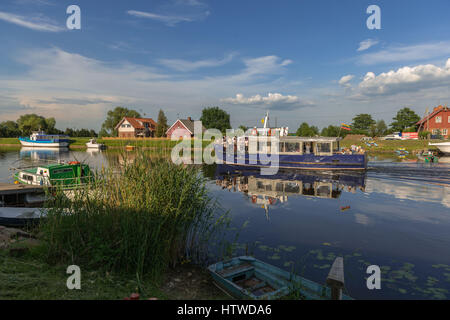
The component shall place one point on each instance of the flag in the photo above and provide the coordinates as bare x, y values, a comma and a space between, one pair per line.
345, 127
262, 120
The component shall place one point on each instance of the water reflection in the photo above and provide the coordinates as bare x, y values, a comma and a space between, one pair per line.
266, 191
42, 154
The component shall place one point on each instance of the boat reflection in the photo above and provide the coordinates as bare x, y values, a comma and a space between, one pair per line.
39, 154
266, 191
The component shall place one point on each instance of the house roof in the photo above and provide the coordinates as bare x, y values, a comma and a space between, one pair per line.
138, 123
188, 124
432, 114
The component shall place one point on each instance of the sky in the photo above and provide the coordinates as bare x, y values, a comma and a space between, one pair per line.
312, 61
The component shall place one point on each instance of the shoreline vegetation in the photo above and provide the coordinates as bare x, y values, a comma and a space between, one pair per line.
384, 146
140, 227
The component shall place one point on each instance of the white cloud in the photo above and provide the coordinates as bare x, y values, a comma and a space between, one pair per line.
271, 98
185, 65
169, 20
407, 53
406, 79
68, 86
267, 64
366, 44
345, 80
33, 23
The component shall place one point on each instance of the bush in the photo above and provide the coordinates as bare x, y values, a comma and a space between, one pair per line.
140, 218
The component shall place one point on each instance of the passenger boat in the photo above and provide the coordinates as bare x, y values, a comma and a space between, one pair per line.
444, 147
249, 278
67, 175
93, 144
315, 153
41, 139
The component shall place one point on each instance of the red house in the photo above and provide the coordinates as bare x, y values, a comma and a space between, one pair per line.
183, 128
437, 121
136, 127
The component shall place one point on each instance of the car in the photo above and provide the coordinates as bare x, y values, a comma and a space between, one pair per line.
392, 137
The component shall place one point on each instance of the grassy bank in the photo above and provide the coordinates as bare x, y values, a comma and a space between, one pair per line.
390, 146
141, 227
80, 143
29, 278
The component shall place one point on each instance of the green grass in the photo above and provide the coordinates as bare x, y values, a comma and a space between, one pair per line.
6, 141
391, 145
139, 218
28, 277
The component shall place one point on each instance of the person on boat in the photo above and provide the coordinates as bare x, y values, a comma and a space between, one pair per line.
307, 148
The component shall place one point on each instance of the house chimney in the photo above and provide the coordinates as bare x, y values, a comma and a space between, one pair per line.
189, 118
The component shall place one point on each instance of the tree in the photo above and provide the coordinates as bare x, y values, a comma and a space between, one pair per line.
381, 128
162, 124
307, 131
113, 118
9, 129
405, 118
215, 118
362, 122
333, 131
33, 122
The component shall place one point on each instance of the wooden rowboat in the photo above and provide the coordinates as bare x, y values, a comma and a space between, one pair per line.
249, 278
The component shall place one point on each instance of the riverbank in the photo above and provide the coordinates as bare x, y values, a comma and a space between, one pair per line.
29, 278
80, 143
390, 146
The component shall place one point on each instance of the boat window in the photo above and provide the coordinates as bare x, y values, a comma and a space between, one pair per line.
281, 147
292, 147
307, 147
292, 187
323, 147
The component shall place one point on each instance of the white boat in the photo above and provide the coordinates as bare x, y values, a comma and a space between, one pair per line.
444, 147
17, 217
41, 139
93, 144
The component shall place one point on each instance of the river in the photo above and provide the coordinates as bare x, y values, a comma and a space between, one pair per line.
396, 216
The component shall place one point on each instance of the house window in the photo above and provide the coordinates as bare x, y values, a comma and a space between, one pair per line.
435, 131
448, 119
444, 132
439, 119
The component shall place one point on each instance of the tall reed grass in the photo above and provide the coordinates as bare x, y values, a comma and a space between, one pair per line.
141, 216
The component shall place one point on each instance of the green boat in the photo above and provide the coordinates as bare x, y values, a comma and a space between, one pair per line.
67, 175
248, 278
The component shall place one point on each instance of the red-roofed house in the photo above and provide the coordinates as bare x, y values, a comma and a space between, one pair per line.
437, 121
136, 127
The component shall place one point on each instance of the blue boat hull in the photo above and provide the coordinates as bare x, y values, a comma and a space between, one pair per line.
297, 161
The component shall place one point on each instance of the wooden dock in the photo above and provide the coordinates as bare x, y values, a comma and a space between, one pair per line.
9, 189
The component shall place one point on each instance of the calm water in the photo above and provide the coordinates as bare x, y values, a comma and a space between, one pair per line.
396, 216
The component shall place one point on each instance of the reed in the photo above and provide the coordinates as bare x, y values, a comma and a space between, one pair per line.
141, 217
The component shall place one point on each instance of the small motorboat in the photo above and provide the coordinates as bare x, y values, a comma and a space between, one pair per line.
19, 217
93, 144
249, 278
444, 147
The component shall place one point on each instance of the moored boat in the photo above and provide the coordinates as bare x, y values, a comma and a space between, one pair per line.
41, 139
249, 278
67, 175
93, 144
315, 153
19, 217
444, 147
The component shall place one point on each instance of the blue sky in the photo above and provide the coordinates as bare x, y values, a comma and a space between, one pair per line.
303, 60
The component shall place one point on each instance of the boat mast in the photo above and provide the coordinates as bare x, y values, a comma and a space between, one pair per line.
266, 120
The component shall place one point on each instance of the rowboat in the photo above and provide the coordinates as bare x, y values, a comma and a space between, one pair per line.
246, 277
19, 217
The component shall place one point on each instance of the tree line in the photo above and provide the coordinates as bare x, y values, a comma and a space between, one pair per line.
28, 123
404, 121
